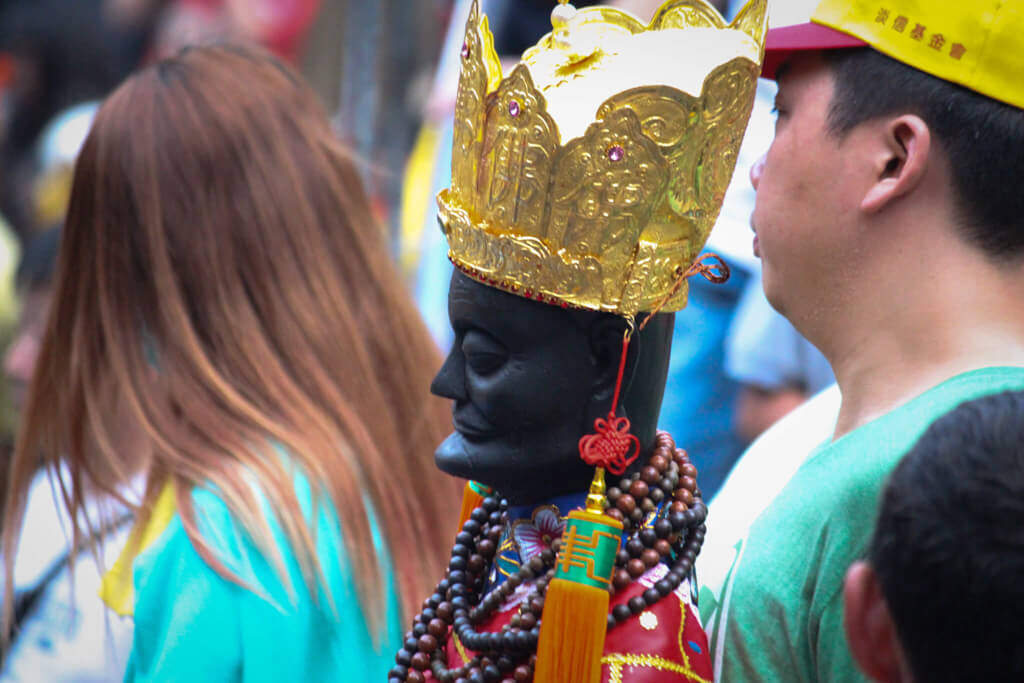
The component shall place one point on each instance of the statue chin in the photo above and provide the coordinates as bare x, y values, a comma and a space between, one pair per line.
453, 456
501, 463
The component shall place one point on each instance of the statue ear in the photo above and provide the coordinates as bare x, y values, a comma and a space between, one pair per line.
606, 333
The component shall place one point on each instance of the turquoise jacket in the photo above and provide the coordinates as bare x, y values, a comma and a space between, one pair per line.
191, 624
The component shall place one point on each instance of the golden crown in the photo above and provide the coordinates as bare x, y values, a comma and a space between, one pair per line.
592, 175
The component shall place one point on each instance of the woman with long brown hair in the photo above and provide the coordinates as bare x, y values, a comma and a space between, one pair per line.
227, 328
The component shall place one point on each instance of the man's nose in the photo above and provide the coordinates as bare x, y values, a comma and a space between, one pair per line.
756, 171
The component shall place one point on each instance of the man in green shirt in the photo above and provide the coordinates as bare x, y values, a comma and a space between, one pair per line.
890, 224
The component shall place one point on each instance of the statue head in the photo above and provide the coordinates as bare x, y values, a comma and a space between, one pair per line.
529, 379
581, 197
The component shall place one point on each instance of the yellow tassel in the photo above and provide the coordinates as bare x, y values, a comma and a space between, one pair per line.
472, 497
572, 633
575, 617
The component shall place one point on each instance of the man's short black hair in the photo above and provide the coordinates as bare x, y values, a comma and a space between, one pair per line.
983, 138
948, 547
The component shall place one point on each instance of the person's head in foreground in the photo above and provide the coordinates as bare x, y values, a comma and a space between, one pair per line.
947, 555
226, 317
887, 199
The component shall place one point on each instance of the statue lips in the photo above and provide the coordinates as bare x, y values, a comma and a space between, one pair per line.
470, 423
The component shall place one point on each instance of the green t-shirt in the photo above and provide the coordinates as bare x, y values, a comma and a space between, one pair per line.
192, 624
778, 616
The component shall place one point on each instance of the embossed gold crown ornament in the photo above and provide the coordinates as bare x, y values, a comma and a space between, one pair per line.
592, 175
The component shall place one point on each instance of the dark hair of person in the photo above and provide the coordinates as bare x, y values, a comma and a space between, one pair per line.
982, 137
948, 547
38, 260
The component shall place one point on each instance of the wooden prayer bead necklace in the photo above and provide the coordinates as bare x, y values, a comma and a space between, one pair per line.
509, 655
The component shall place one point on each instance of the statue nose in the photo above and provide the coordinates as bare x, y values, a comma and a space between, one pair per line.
450, 380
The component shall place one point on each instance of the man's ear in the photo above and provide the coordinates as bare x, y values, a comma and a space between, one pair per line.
870, 631
903, 153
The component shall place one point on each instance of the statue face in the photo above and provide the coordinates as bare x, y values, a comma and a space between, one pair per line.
522, 375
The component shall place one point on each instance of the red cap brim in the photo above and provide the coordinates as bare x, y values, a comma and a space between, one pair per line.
785, 40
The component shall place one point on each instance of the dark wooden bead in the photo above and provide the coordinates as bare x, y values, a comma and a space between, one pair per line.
650, 475
494, 519
494, 534
492, 673
637, 515
427, 643
615, 514
537, 606
626, 503
663, 547
621, 579
471, 526
677, 519
437, 628
536, 564
663, 528
464, 538
547, 555
479, 515
636, 568
651, 596
684, 496
637, 604
459, 602
486, 548
647, 536
420, 661
445, 611
457, 576
621, 613
688, 483
398, 672
505, 663
688, 470
460, 549
403, 657
415, 677
522, 674
634, 547
476, 563
647, 505
664, 587
656, 495
427, 615
611, 623
457, 563
419, 629
475, 676
411, 644
650, 557
527, 620
639, 489
613, 493
622, 557
659, 462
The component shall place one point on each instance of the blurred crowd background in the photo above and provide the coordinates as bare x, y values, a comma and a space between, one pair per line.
387, 72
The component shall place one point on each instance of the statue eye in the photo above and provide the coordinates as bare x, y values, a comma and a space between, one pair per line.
483, 353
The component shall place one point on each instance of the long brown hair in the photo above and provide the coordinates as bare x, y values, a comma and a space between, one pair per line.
223, 290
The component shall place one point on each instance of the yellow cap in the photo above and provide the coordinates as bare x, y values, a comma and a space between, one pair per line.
979, 44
